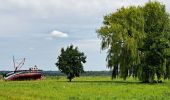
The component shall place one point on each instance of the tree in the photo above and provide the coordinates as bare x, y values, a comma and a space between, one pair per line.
71, 62
122, 34
156, 43
137, 40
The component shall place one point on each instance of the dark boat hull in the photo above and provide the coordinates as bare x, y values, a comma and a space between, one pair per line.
23, 75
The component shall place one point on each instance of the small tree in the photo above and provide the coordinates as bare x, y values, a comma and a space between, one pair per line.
71, 62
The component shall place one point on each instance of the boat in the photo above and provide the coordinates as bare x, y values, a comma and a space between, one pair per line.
32, 74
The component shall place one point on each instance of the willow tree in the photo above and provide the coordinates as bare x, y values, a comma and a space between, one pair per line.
137, 40
156, 44
121, 35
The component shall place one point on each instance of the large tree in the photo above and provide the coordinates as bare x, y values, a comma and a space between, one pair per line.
137, 40
156, 43
122, 34
70, 62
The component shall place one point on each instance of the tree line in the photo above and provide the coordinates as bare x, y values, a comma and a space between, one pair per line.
137, 40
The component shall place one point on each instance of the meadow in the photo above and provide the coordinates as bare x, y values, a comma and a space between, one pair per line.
83, 88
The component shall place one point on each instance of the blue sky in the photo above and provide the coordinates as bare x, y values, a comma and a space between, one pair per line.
38, 29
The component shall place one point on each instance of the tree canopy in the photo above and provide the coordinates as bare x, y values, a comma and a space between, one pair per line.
137, 40
70, 62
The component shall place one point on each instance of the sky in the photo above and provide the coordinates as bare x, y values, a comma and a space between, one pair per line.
38, 29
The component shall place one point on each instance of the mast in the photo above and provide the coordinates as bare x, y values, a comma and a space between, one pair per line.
14, 63
19, 65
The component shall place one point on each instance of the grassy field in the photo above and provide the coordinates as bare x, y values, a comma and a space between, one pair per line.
83, 88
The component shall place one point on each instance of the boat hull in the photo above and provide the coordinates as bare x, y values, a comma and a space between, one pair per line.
23, 75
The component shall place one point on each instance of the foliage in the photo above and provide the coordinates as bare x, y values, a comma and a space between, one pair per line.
156, 43
137, 40
119, 35
71, 62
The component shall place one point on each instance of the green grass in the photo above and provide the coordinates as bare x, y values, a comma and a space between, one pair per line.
83, 88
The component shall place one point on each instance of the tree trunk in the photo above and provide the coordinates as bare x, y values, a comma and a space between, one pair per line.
69, 79
115, 71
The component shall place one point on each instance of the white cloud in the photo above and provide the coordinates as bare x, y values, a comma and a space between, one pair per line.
31, 48
37, 16
58, 34
65, 7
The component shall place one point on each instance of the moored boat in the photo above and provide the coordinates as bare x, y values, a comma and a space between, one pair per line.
23, 75
32, 74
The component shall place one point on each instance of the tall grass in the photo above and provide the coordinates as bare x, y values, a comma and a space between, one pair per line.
83, 88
